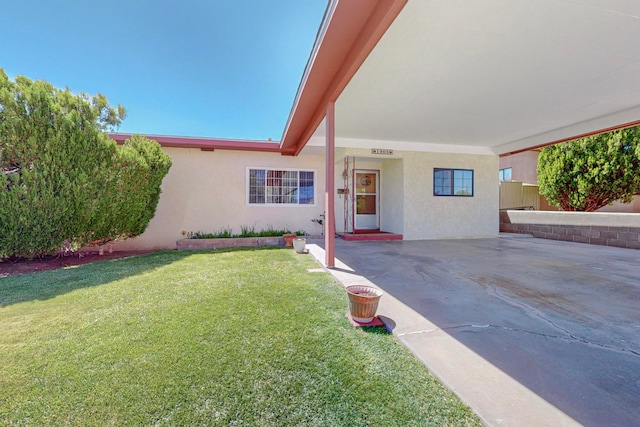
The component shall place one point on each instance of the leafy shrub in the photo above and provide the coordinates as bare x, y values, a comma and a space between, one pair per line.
592, 172
63, 182
246, 231
220, 234
132, 188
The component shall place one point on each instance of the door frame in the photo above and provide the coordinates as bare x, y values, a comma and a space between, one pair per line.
354, 197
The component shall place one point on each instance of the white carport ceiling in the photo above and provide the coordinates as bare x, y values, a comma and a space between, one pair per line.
496, 75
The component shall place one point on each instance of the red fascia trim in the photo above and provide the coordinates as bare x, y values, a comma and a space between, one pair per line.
205, 144
350, 32
572, 138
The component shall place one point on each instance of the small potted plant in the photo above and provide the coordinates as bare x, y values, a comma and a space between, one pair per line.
363, 302
299, 242
288, 239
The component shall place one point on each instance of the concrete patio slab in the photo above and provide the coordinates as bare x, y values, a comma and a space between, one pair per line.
526, 331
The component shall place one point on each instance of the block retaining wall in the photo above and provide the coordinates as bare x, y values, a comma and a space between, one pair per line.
605, 235
229, 243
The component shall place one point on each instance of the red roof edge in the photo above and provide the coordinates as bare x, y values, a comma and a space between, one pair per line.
349, 32
573, 138
205, 144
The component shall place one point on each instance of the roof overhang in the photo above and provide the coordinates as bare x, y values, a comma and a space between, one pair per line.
205, 144
348, 33
486, 76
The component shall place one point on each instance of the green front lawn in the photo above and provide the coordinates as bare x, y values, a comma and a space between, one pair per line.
228, 337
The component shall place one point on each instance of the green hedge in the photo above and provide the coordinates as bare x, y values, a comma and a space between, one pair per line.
245, 231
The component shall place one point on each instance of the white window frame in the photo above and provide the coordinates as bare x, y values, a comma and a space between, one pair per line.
288, 205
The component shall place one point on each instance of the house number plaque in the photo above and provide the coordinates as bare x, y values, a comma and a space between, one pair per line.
382, 151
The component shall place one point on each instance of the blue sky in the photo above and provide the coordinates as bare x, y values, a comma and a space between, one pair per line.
213, 68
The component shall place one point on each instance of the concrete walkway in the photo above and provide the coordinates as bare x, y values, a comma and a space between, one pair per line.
527, 332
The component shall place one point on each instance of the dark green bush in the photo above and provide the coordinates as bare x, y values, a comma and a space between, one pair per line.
131, 191
63, 182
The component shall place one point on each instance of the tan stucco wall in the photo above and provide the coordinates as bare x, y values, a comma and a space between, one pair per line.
523, 166
432, 217
391, 188
633, 207
408, 205
206, 191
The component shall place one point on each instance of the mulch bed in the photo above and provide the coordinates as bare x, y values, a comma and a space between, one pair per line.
53, 262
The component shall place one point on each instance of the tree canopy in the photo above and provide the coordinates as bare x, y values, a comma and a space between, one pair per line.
592, 172
63, 182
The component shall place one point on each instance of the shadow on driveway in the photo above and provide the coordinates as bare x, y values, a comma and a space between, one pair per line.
562, 319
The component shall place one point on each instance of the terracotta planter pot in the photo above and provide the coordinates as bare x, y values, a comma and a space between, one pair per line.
363, 302
288, 240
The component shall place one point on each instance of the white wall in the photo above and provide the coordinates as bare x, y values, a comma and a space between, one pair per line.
206, 191
408, 205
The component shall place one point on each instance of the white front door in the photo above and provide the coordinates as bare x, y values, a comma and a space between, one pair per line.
366, 199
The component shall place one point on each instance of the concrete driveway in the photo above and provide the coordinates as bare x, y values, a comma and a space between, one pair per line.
526, 331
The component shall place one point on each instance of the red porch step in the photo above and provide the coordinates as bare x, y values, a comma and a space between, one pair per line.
372, 236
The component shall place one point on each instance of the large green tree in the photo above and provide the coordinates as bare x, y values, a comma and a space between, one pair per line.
63, 182
592, 172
